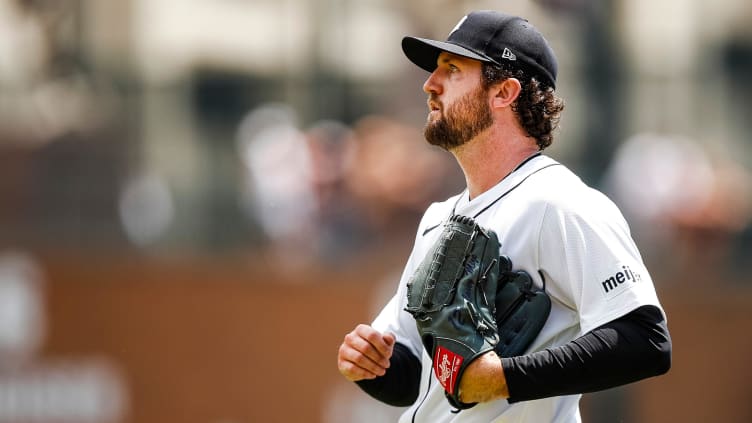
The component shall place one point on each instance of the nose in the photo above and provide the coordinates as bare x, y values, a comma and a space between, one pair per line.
432, 84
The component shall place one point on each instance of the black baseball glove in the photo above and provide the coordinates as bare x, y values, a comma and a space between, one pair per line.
452, 296
521, 311
466, 301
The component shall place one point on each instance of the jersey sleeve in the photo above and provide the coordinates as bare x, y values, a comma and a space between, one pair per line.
586, 364
400, 384
594, 266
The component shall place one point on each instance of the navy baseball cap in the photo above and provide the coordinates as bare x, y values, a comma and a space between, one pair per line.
489, 36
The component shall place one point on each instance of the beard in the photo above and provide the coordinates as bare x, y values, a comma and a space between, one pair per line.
461, 122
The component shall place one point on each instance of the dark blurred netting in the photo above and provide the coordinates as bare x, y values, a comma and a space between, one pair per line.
603, 75
737, 58
219, 100
63, 193
737, 64
222, 98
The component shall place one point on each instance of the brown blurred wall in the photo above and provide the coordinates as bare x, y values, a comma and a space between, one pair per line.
234, 340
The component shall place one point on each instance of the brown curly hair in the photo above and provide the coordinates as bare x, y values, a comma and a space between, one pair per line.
537, 107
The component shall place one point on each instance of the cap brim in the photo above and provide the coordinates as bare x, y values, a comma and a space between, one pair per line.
424, 52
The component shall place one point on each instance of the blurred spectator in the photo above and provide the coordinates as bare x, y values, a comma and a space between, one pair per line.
396, 174
34, 388
685, 206
22, 314
62, 136
339, 221
277, 190
331, 190
146, 207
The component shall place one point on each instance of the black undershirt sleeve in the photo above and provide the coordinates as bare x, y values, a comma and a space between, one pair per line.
630, 348
399, 385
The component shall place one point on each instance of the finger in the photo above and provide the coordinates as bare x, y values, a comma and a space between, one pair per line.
390, 339
365, 347
377, 342
353, 373
355, 366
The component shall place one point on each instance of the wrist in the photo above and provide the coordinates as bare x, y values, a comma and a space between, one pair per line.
483, 380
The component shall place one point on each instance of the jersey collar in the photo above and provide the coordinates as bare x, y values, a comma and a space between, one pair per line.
531, 165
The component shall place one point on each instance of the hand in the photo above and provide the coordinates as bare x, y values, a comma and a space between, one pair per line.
365, 353
484, 380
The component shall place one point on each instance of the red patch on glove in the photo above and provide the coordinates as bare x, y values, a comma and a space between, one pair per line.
446, 365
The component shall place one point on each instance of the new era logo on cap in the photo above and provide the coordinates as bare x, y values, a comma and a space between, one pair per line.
507, 54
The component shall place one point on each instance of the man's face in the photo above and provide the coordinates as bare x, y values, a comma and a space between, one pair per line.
458, 103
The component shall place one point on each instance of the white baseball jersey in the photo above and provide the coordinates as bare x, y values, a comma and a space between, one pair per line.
560, 231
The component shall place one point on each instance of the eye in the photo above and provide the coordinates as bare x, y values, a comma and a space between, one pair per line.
453, 68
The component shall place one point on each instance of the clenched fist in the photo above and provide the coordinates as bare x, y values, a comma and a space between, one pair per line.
365, 353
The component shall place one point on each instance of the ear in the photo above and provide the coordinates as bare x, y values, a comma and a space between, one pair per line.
505, 92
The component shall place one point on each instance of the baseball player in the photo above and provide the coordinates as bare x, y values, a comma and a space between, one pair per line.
492, 105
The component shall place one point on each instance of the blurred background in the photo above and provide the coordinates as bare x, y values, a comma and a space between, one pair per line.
198, 198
